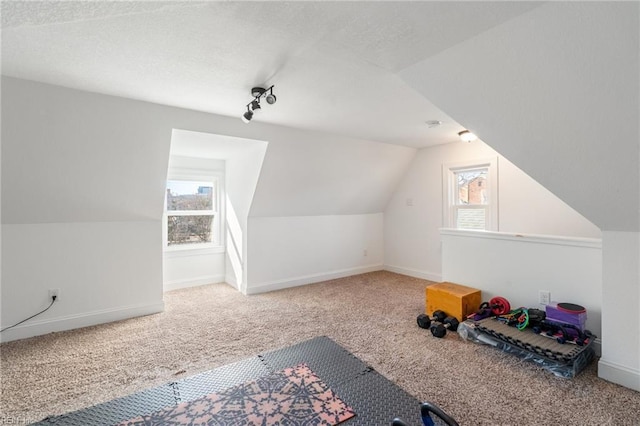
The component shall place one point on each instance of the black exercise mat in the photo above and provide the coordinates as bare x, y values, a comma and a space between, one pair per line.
375, 399
330, 361
533, 342
117, 410
219, 379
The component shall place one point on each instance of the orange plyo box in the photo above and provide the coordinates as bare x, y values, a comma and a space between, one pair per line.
454, 299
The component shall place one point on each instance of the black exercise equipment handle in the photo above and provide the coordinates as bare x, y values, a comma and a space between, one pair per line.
427, 407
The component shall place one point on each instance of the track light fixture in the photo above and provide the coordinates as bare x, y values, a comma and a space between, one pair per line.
254, 105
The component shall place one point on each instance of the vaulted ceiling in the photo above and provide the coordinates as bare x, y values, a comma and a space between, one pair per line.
335, 65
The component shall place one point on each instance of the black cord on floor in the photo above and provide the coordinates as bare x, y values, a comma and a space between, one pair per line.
53, 300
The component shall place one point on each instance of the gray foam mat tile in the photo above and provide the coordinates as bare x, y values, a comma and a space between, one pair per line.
220, 378
377, 401
330, 361
118, 410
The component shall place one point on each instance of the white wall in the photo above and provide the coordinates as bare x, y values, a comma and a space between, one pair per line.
189, 268
309, 174
291, 251
303, 182
77, 158
557, 91
517, 267
243, 172
105, 271
318, 204
412, 239
82, 178
620, 361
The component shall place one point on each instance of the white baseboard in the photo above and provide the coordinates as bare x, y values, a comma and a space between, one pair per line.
70, 322
616, 373
193, 282
430, 276
310, 279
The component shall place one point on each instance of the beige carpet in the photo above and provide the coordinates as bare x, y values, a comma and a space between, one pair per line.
372, 315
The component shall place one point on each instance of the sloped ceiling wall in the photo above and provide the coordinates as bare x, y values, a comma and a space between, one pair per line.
310, 174
71, 156
74, 156
556, 92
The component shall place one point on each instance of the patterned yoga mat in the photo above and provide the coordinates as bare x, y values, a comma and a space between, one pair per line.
294, 396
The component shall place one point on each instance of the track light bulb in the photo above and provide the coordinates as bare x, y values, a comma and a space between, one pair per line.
254, 105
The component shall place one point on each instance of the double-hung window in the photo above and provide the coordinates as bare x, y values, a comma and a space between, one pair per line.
471, 196
191, 213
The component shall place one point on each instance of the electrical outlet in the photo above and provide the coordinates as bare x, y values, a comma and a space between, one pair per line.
365, 253
544, 297
54, 292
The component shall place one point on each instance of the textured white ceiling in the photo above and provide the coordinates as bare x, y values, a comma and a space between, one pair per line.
334, 64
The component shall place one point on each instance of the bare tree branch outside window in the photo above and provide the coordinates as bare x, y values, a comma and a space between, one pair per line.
184, 201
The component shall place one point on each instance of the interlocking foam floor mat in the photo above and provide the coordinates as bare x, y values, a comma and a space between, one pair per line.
374, 399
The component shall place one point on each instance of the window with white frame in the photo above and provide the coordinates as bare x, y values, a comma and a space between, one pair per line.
192, 213
471, 195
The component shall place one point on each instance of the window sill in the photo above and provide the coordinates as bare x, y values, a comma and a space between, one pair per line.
193, 251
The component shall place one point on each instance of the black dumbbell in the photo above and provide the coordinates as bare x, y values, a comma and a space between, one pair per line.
425, 322
439, 330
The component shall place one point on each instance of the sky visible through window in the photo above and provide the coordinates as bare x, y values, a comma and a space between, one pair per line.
182, 187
